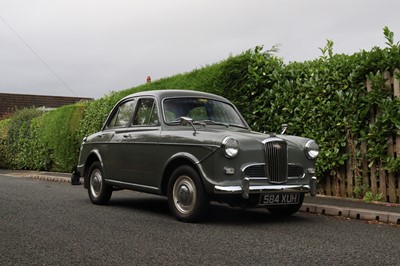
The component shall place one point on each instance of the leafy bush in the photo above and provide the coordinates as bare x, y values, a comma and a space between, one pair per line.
371, 197
206, 79
96, 112
5, 153
19, 136
325, 99
31, 139
58, 132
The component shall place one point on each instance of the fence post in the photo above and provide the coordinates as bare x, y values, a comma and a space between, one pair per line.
391, 177
373, 179
349, 174
396, 147
365, 172
342, 179
328, 185
383, 178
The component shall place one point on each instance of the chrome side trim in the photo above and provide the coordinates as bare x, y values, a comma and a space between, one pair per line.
190, 144
244, 167
133, 186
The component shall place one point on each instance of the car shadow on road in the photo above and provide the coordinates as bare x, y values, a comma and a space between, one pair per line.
146, 204
217, 214
223, 214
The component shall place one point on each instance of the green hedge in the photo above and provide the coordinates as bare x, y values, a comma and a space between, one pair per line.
18, 149
207, 79
4, 147
59, 133
324, 99
31, 139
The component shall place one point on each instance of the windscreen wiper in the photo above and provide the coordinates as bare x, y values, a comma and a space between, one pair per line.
211, 122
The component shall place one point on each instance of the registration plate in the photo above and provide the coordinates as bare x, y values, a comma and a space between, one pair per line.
279, 199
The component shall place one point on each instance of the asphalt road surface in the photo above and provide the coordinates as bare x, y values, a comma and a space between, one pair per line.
50, 223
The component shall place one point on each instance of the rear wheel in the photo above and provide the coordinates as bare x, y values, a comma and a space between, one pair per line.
187, 199
99, 191
287, 210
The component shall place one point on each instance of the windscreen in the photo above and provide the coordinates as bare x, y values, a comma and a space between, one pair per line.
201, 110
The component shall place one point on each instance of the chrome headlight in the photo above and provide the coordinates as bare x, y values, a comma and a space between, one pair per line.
230, 146
312, 149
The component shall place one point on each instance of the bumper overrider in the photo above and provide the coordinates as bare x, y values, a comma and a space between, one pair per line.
246, 188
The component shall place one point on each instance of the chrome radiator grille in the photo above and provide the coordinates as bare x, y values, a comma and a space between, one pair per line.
258, 171
276, 160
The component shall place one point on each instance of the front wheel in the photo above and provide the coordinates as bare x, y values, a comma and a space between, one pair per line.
287, 210
187, 199
99, 191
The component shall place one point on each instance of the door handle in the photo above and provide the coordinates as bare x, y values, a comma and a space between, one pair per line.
127, 136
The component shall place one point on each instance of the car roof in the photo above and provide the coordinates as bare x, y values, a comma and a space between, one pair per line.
162, 94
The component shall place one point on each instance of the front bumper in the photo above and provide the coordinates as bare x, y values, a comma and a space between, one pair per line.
246, 188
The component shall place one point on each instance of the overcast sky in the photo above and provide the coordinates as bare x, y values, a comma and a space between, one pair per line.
88, 48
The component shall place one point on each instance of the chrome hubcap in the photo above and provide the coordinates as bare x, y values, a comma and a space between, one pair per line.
96, 183
184, 194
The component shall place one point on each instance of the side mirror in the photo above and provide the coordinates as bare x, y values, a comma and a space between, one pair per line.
184, 120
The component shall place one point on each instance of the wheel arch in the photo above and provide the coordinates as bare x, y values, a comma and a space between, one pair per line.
94, 156
176, 161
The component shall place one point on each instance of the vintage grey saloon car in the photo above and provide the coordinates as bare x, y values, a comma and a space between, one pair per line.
193, 148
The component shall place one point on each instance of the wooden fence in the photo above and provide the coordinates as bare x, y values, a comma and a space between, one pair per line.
372, 176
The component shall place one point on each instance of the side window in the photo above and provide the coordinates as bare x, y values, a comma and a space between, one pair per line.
146, 113
123, 116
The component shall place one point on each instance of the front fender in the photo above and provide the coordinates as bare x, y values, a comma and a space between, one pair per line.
182, 158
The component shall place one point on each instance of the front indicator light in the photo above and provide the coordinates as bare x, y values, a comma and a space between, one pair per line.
311, 171
229, 170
